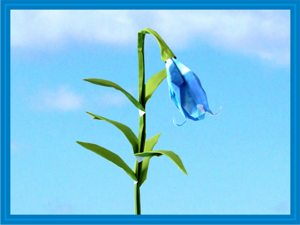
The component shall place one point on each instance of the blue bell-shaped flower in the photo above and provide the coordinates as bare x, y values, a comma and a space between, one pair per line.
186, 91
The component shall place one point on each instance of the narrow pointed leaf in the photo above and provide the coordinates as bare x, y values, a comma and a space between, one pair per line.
151, 142
108, 83
153, 83
109, 155
149, 145
174, 157
132, 138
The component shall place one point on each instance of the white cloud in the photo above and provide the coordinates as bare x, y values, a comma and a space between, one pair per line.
262, 33
63, 99
60, 99
112, 100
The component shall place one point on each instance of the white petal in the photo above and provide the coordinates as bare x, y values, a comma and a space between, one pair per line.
183, 68
168, 63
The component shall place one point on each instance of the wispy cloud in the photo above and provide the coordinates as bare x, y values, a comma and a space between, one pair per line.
59, 99
112, 100
65, 100
261, 33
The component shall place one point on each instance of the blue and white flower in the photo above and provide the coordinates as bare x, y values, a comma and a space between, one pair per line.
186, 91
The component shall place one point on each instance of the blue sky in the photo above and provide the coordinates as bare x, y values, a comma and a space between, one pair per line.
238, 161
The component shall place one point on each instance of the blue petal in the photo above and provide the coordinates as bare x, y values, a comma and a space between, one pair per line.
175, 75
181, 67
175, 94
186, 90
189, 105
197, 92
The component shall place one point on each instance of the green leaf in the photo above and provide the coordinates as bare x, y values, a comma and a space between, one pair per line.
109, 155
132, 138
154, 82
108, 83
174, 157
149, 145
151, 142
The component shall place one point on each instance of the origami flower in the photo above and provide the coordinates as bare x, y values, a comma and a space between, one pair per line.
186, 91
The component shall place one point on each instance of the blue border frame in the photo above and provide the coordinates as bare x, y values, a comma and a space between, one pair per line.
7, 5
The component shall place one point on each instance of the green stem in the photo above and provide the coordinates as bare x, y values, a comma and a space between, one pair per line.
137, 199
165, 54
142, 120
